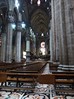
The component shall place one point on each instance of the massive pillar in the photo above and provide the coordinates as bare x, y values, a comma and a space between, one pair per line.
59, 43
69, 19
18, 38
10, 20
27, 45
3, 47
63, 31
53, 31
9, 38
34, 45
57, 28
62, 35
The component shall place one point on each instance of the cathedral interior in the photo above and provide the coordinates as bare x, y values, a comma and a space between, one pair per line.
37, 49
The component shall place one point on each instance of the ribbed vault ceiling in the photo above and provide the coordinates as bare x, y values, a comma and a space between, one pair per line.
38, 15
40, 21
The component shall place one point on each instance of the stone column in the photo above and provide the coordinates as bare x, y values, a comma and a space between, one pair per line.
57, 29
63, 31
34, 45
62, 35
53, 31
9, 37
51, 50
22, 46
67, 34
69, 18
3, 47
10, 20
59, 32
27, 45
18, 38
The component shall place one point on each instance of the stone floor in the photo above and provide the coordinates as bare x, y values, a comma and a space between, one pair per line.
41, 91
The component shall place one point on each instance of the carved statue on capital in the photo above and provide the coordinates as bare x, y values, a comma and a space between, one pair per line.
10, 17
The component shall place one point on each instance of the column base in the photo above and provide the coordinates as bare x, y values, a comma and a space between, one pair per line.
28, 57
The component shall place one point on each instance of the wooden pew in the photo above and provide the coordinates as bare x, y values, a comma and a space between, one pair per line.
33, 72
56, 79
29, 73
46, 79
64, 77
13, 63
10, 66
22, 77
31, 67
3, 77
53, 66
42, 78
19, 66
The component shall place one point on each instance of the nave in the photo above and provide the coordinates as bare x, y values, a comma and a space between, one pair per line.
36, 49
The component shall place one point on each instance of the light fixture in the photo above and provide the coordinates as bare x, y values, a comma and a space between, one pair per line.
17, 4
38, 2
42, 34
23, 25
24, 54
13, 26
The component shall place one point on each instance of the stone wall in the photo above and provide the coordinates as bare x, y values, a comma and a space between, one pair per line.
62, 28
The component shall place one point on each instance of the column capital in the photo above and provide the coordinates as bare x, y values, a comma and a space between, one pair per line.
10, 17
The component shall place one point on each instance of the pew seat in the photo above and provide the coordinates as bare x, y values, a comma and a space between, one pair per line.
28, 80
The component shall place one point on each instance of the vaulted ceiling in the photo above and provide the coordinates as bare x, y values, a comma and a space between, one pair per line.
40, 21
38, 17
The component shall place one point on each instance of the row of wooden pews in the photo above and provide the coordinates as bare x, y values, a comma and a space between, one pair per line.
10, 66
26, 74
33, 73
63, 78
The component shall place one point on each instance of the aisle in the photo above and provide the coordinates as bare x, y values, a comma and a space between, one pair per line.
47, 69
